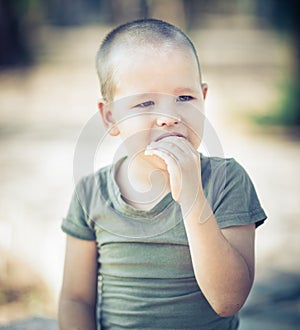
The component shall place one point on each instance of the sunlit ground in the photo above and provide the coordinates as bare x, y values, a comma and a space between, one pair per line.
44, 108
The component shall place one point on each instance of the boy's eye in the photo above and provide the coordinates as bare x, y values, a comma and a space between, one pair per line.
184, 98
144, 104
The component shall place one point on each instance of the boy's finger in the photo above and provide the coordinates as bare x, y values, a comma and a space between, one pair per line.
171, 162
181, 143
181, 150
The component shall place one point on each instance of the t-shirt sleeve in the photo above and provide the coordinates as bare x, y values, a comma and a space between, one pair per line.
237, 202
77, 223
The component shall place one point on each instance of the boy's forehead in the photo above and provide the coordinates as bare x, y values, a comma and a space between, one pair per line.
151, 71
131, 52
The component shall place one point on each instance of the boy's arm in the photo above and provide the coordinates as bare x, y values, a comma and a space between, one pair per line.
223, 260
77, 304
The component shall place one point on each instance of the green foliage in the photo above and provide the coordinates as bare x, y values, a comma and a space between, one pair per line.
287, 111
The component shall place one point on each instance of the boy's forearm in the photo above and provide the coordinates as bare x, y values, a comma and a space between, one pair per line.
74, 315
220, 270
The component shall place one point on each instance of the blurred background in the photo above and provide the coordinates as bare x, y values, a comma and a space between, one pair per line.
249, 53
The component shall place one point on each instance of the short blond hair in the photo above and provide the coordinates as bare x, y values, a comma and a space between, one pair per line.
138, 33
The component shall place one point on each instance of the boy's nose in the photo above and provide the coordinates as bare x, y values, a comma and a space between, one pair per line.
167, 121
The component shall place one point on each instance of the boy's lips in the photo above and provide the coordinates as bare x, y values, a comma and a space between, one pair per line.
169, 134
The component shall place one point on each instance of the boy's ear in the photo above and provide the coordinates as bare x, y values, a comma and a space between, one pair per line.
204, 90
107, 118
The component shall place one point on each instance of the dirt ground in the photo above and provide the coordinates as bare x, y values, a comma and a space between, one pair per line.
43, 110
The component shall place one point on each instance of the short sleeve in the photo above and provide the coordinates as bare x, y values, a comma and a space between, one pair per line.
77, 223
237, 202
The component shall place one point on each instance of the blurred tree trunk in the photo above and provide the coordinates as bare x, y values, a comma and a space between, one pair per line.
14, 46
285, 17
297, 61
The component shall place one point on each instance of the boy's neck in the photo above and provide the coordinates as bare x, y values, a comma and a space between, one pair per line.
141, 183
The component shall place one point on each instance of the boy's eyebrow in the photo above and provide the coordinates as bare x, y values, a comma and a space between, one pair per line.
181, 90
176, 91
139, 96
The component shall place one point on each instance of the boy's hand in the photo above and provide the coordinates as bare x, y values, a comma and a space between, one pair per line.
183, 166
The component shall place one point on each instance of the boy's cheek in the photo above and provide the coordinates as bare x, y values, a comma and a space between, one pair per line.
194, 119
196, 143
135, 141
195, 133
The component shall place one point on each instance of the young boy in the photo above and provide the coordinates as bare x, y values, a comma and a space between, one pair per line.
164, 237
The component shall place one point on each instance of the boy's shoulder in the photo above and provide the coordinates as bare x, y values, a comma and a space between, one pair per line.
219, 162
95, 182
212, 168
223, 169
101, 172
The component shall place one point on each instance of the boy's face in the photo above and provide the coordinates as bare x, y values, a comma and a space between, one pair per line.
157, 94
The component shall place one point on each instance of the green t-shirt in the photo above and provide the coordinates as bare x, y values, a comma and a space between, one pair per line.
145, 273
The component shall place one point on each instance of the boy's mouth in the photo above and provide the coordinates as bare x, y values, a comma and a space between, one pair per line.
169, 134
